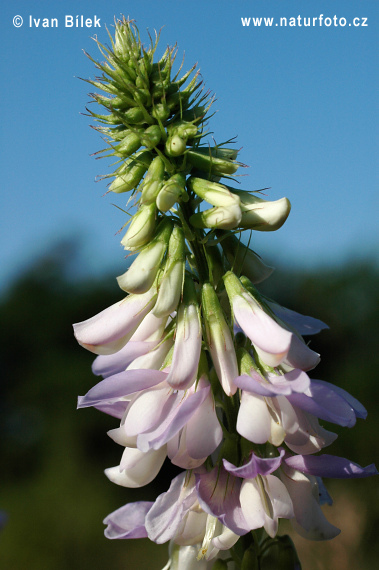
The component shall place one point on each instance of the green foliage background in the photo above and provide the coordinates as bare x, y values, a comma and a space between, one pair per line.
52, 485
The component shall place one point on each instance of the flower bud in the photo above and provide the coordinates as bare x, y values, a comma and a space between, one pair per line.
153, 181
171, 285
244, 259
143, 271
129, 144
161, 112
219, 340
130, 175
172, 192
262, 215
175, 146
184, 129
151, 136
204, 161
214, 193
224, 218
141, 228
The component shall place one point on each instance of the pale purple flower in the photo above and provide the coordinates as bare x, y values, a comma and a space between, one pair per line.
128, 521
108, 331
285, 407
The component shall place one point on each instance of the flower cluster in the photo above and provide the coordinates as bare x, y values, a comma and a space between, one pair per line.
197, 365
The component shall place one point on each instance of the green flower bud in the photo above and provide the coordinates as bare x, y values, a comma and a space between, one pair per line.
141, 228
184, 129
130, 175
129, 144
207, 163
171, 285
161, 112
175, 145
133, 116
151, 137
214, 193
172, 191
224, 218
153, 181
143, 271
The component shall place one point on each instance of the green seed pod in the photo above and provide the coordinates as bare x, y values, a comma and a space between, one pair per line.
151, 137
172, 191
153, 181
175, 146
132, 173
212, 164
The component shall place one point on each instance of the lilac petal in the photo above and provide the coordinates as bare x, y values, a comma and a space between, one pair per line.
121, 385
300, 355
359, 410
177, 418
309, 520
128, 521
218, 495
178, 453
303, 324
269, 337
255, 466
329, 466
115, 409
252, 506
148, 409
169, 509
204, 432
254, 386
324, 403
187, 348
109, 330
110, 364
298, 380
254, 420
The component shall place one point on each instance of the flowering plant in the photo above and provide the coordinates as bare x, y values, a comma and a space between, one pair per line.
198, 366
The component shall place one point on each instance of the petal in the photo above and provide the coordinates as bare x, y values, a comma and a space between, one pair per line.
128, 521
255, 466
109, 364
187, 348
174, 420
204, 432
110, 330
254, 420
252, 506
303, 324
148, 409
300, 355
169, 509
218, 495
263, 331
309, 521
143, 468
121, 385
329, 466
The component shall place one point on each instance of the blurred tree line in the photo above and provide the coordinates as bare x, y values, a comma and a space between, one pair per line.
53, 490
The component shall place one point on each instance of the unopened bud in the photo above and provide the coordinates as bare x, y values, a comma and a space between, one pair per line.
141, 228
143, 271
221, 218
204, 161
153, 181
129, 144
151, 137
214, 193
172, 191
171, 285
175, 146
130, 175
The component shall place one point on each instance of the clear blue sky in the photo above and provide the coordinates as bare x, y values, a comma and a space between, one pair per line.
300, 99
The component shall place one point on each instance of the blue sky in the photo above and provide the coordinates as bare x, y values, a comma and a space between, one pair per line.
300, 99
